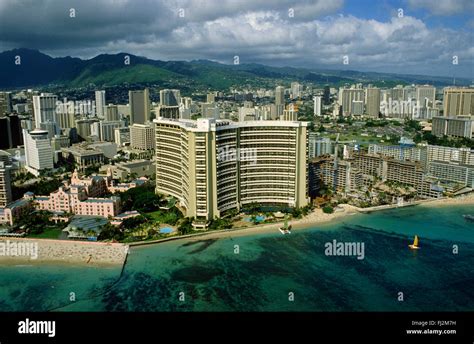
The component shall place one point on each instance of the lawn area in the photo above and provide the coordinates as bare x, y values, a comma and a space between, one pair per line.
164, 216
155, 215
48, 233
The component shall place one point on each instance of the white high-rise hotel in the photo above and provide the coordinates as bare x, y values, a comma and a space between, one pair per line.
212, 166
317, 105
100, 103
38, 151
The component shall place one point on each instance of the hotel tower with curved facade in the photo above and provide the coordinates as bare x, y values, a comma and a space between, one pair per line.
212, 166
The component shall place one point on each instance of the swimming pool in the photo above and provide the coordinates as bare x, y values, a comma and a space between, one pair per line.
166, 230
258, 218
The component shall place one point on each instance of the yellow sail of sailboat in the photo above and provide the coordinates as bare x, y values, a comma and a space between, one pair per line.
415, 246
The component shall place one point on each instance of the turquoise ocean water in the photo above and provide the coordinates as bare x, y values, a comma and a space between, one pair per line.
212, 277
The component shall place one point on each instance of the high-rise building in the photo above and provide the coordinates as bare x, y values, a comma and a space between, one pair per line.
170, 97
372, 102
6, 157
327, 95
185, 108
65, 119
452, 164
458, 101
213, 166
51, 127
347, 96
29, 101
111, 113
453, 126
211, 97
426, 95
60, 141
100, 103
357, 108
460, 156
167, 111
187, 102
20, 108
44, 107
396, 93
400, 152
279, 100
317, 105
10, 131
318, 146
83, 126
105, 130
5, 103
142, 136
122, 136
5, 185
139, 106
38, 151
296, 90
290, 113
409, 93
210, 110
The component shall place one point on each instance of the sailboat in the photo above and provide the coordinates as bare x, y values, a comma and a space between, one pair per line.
414, 246
285, 229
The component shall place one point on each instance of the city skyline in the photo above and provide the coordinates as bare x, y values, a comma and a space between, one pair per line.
397, 36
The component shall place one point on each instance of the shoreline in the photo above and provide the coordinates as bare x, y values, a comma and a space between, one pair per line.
81, 253
314, 218
115, 254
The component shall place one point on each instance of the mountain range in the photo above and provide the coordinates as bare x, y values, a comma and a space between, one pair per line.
38, 69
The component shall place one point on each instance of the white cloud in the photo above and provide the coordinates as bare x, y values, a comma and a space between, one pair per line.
207, 10
268, 38
257, 31
444, 7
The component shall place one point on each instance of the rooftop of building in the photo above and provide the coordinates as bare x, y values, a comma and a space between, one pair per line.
134, 163
136, 181
82, 151
210, 124
127, 214
455, 118
18, 203
85, 223
42, 198
101, 143
99, 200
38, 131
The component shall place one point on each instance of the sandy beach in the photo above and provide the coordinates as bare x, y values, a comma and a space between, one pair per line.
466, 199
63, 251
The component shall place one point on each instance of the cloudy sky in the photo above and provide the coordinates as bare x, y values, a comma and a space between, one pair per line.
400, 36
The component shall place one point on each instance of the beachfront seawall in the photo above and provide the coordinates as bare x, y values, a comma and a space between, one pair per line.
78, 252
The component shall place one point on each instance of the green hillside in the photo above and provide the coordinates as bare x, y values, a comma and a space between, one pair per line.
110, 70
140, 73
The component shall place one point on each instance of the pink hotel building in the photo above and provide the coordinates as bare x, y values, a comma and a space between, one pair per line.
80, 197
74, 199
